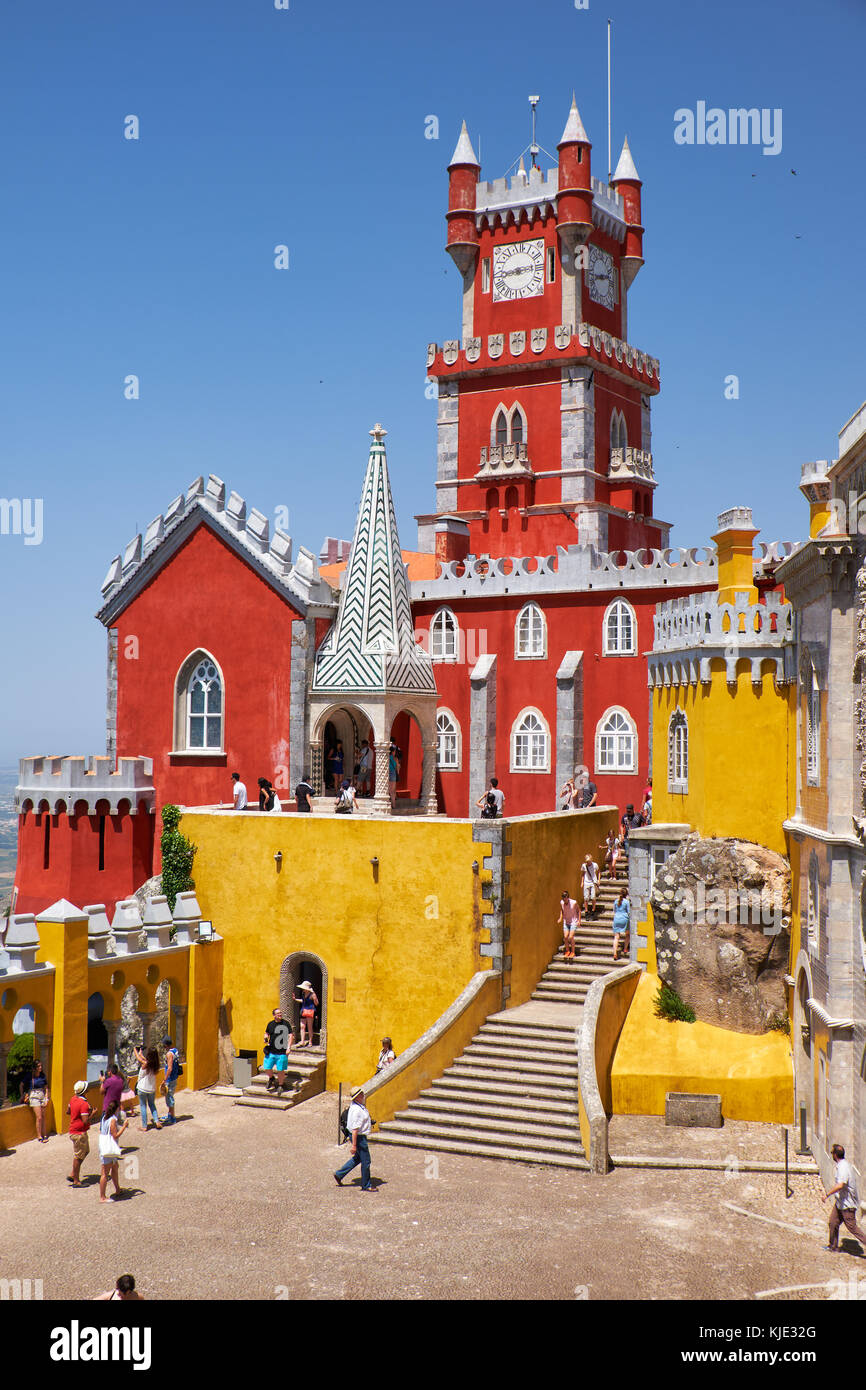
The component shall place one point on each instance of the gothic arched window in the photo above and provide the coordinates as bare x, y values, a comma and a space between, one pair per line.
616, 742
530, 743
199, 706
678, 753
443, 636
447, 741
620, 629
530, 632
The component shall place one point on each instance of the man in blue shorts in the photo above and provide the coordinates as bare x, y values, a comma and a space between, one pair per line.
278, 1040
172, 1072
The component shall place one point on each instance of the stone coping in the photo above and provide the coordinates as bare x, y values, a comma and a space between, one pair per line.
399, 819
590, 1093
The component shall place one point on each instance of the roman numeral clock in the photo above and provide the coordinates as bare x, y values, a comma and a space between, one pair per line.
518, 270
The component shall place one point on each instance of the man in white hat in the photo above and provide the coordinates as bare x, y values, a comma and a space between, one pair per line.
359, 1124
81, 1111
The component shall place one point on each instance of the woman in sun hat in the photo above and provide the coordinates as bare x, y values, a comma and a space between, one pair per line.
309, 1002
386, 1056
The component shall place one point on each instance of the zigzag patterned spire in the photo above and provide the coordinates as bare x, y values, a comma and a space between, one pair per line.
372, 643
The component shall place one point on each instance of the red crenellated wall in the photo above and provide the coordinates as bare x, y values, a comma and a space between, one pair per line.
73, 854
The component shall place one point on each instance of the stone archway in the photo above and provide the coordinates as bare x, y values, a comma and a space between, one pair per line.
292, 972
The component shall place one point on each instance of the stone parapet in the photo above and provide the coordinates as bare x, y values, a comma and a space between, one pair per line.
565, 342
67, 780
696, 629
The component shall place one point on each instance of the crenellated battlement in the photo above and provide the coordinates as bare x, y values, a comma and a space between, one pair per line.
248, 530
64, 781
574, 569
697, 629
588, 342
536, 193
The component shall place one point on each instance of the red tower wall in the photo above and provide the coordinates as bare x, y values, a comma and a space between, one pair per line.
73, 870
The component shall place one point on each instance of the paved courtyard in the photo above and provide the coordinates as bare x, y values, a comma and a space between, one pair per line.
240, 1204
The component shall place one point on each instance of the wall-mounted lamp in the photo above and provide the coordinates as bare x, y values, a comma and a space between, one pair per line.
475, 866
278, 859
374, 861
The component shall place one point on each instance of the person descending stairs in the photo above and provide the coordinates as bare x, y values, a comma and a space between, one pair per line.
512, 1094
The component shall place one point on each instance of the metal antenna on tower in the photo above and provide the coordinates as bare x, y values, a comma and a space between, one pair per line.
533, 148
609, 164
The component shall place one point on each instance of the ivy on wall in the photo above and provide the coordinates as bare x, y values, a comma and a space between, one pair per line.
177, 855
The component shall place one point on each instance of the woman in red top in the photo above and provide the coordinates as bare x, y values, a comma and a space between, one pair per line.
81, 1111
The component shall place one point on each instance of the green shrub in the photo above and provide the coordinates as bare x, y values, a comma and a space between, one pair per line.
177, 856
20, 1055
780, 1024
669, 1005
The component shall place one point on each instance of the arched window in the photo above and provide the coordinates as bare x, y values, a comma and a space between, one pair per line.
813, 732
199, 706
447, 741
530, 632
813, 903
616, 742
620, 629
678, 753
443, 636
508, 426
530, 743
618, 432
518, 426
500, 428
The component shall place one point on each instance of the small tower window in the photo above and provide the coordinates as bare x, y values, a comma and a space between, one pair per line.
517, 430
485, 275
501, 428
551, 265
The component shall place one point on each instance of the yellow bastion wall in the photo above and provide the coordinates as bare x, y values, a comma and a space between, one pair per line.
742, 749
399, 941
752, 1073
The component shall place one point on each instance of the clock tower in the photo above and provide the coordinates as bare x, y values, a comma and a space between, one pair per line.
544, 407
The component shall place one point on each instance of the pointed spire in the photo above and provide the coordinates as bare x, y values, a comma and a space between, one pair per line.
521, 170
463, 151
574, 132
625, 168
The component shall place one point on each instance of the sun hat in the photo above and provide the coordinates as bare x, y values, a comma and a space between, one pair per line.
80, 1087
356, 1091
305, 984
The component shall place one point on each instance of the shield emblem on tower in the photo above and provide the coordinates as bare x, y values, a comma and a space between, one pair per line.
473, 349
495, 344
562, 335
450, 351
539, 339
517, 342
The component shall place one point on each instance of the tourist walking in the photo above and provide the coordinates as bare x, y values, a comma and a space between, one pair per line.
612, 849
393, 770
589, 876
148, 1066
346, 800
386, 1056
847, 1202
569, 920
359, 1124
621, 915
309, 1001
631, 820
124, 1291
587, 794
81, 1112
239, 792
266, 795
173, 1070
303, 794
278, 1039
568, 792
37, 1098
109, 1150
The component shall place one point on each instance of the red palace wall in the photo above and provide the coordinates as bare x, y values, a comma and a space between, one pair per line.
66, 863
206, 597
574, 623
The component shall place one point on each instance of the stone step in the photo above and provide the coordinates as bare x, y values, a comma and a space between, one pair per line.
528, 1028
539, 1082
521, 1142
479, 1085
526, 1042
490, 1127
485, 1101
476, 1056
437, 1107
474, 1150
263, 1102
515, 1054
572, 997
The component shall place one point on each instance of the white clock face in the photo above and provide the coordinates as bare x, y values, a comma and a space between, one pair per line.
601, 277
518, 270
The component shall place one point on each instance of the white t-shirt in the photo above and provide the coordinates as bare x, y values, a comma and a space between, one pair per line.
358, 1118
277, 806
146, 1081
590, 874
499, 796
240, 796
569, 912
849, 1198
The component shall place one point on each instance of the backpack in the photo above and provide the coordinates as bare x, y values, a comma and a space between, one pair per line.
488, 811
344, 1123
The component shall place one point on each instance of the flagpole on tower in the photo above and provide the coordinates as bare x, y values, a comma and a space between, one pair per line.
609, 165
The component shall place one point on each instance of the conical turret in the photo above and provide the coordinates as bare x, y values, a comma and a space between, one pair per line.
627, 183
462, 241
574, 203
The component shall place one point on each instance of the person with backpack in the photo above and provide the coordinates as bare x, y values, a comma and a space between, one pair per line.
173, 1070
492, 801
357, 1126
346, 800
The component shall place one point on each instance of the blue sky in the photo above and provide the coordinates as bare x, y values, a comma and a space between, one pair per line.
307, 127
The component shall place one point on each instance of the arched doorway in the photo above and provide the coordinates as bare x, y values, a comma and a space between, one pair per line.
407, 734
303, 965
804, 1064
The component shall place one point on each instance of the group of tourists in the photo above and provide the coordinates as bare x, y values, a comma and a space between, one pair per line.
347, 789
570, 913
280, 1037
116, 1093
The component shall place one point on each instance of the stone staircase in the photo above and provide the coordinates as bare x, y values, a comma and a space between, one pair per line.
306, 1073
568, 982
513, 1093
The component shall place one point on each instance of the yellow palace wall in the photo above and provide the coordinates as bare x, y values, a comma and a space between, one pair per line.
399, 944
742, 749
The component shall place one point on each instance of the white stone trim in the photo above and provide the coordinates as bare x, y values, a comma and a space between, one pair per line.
181, 705
530, 655
445, 657
444, 712
607, 650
